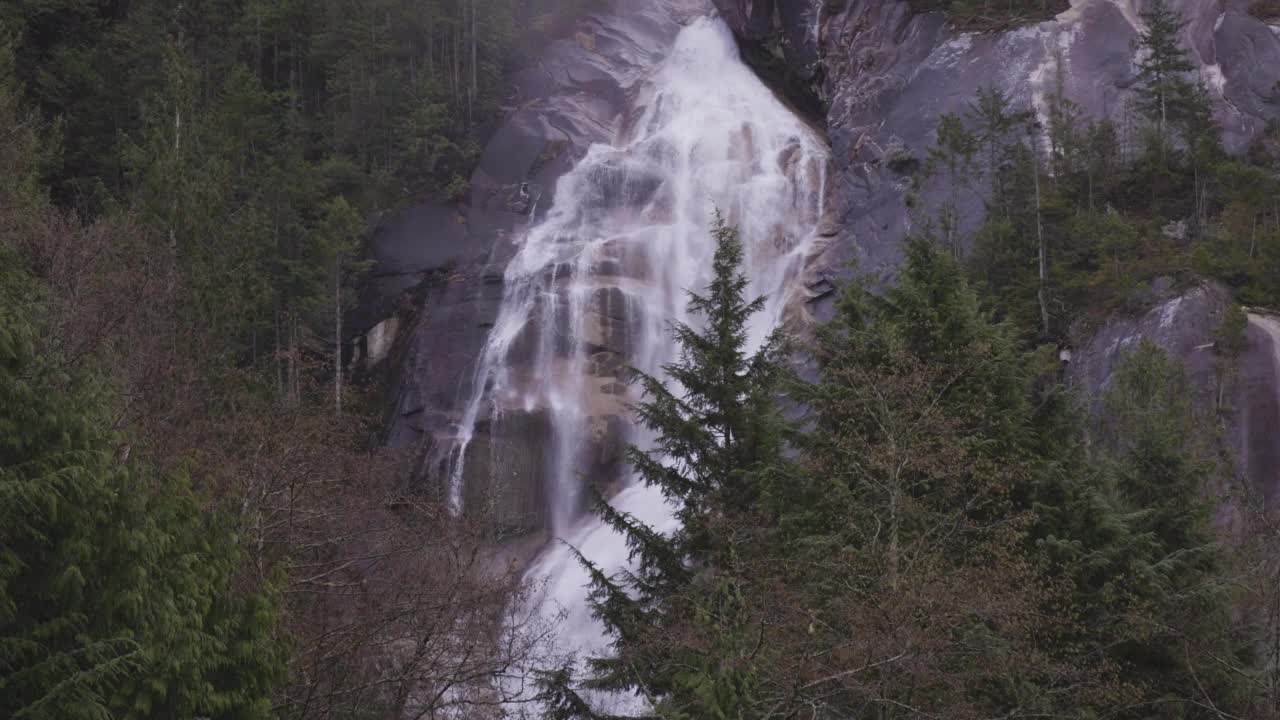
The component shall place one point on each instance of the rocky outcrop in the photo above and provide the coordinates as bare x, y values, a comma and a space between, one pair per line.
574, 94
1243, 400
1183, 323
1256, 407
874, 74
781, 40
886, 75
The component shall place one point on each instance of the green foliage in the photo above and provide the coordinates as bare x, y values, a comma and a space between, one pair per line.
942, 481
717, 431
116, 595
1112, 207
1161, 473
230, 127
1165, 93
1230, 339
954, 153
992, 15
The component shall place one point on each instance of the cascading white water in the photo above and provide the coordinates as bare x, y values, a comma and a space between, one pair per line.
595, 285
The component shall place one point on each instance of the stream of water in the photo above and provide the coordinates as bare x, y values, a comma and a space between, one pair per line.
594, 286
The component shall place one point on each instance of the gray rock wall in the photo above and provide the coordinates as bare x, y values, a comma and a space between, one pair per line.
888, 74
1184, 323
573, 95
882, 77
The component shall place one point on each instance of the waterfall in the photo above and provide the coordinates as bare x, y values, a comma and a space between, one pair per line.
593, 287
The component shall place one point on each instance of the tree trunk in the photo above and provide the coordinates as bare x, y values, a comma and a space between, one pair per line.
337, 336
279, 354
893, 535
1043, 251
475, 83
292, 378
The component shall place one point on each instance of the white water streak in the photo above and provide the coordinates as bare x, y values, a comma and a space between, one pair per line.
632, 221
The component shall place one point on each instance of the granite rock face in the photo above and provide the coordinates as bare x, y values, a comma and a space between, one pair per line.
887, 74
1243, 400
876, 77
574, 94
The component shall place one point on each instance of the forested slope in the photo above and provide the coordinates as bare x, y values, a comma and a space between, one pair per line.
197, 522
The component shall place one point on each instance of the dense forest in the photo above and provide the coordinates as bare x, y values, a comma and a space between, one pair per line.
195, 521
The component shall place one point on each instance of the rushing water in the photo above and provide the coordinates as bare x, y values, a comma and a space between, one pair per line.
594, 286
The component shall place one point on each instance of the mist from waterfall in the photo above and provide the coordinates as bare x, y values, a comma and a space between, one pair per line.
594, 287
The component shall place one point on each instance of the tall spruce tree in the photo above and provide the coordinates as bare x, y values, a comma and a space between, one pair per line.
912, 512
1163, 64
678, 618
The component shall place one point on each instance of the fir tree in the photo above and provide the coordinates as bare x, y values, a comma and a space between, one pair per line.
1183, 637
717, 432
1163, 63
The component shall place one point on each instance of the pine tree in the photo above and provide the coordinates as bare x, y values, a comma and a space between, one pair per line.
717, 433
916, 489
954, 152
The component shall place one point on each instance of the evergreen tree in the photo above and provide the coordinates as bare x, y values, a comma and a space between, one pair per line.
678, 618
1184, 646
1163, 65
116, 597
954, 151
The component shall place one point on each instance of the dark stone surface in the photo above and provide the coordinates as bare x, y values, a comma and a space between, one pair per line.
879, 77
1255, 408
504, 472
1184, 325
781, 40
573, 95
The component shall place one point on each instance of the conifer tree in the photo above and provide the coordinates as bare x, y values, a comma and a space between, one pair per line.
1183, 645
954, 151
717, 433
115, 593
915, 489
1163, 64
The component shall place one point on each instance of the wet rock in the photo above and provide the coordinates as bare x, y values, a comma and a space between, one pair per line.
605, 364
608, 444
574, 95
603, 463
504, 478
781, 40
608, 322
